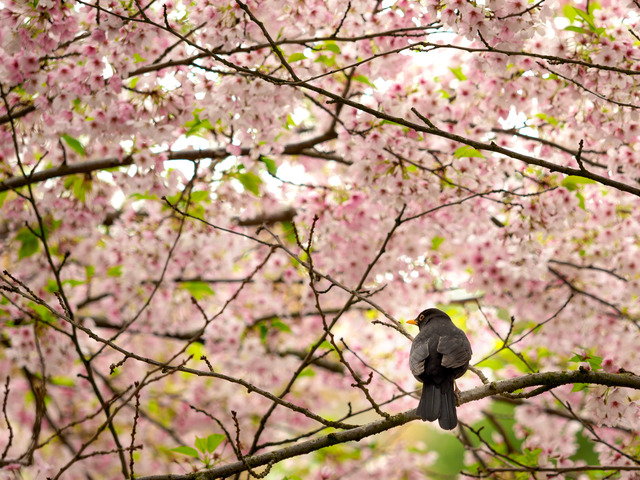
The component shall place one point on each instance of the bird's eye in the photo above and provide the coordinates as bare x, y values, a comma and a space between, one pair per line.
421, 318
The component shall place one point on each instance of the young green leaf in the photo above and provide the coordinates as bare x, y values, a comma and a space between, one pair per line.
114, 271
296, 57
363, 79
30, 244
328, 61
213, 441
572, 181
250, 181
192, 452
272, 168
436, 242
332, 47
199, 290
283, 327
467, 151
80, 188
457, 71
199, 196
201, 444
73, 143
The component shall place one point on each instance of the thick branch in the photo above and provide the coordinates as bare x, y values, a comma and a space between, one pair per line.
299, 148
17, 114
553, 379
268, 218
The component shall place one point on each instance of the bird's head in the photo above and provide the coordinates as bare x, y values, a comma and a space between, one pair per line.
426, 316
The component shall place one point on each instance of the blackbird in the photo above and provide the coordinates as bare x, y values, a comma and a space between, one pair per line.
440, 353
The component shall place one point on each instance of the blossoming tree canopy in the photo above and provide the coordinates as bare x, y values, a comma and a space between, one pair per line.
217, 217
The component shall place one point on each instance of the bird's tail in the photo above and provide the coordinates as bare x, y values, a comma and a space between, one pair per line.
429, 406
439, 402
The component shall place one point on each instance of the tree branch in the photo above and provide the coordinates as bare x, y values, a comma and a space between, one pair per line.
552, 379
298, 148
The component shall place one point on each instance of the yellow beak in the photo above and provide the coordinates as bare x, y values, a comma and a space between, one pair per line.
412, 322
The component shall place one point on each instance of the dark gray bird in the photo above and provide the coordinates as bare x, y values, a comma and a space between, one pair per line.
440, 353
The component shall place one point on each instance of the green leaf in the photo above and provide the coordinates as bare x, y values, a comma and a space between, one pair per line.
332, 47
213, 441
137, 58
328, 61
199, 290
192, 452
197, 211
326, 344
467, 151
580, 198
174, 199
458, 73
573, 14
196, 350
73, 143
30, 243
389, 122
52, 285
263, 332
578, 387
272, 168
543, 116
436, 242
114, 271
307, 372
531, 456
250, 181
201, 444
283, 327
363, 79
290, 122
572, 181
81, 187
571, 28
296, 57
197, 127
143, 196
41, 310
289, 234
199, 196
90, 271
594, 361
3, 196
586, 17
569, 12
63, 381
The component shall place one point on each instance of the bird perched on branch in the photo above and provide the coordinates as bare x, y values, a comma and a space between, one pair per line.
440, 353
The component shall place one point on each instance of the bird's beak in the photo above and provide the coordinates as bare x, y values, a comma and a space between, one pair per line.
412, 322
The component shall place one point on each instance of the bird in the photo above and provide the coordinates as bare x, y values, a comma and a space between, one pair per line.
440, 353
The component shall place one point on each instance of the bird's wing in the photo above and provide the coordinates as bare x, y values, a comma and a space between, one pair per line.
417, 356
455, 350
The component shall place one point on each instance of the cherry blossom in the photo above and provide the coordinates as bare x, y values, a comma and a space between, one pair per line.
217, 217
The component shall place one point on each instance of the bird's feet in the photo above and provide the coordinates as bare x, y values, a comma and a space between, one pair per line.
456, 393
